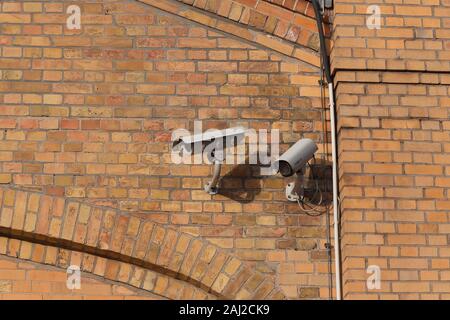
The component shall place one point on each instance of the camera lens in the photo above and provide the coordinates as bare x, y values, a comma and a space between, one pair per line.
285, 169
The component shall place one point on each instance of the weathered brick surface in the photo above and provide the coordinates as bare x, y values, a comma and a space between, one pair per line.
256, 21
87, 114
394, 162
30, 279
201, 266
289, 20
86, 117
413, 36
394, 148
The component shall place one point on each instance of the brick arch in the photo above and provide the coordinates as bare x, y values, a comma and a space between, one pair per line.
115, 235
290, 31
147, 281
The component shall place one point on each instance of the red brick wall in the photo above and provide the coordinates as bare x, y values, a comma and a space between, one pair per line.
21, 280
88, 114
122, 248
412, 37
392, 95
291, 20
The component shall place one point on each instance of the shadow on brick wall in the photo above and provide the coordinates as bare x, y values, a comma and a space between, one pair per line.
317, 183
242, 183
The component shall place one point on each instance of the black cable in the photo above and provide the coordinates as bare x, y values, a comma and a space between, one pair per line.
325, 157
323, 48
324, 68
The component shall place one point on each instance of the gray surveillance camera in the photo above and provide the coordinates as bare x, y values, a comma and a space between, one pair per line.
208, 136
225, 136
296, 157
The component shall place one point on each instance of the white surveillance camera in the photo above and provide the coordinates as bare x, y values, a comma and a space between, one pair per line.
296, 157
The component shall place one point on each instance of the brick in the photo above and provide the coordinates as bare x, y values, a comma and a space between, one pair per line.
256, 19
190, 257
413, 11
234, 285
70, 220
196, 90
220, 283
404, 192
19, 211
276, 11
175, 66
217, 66
155, 89
5, 178
258, 66
410, 287
31, 40
235, 12
6, 217
15, 18
423, 169
196, 43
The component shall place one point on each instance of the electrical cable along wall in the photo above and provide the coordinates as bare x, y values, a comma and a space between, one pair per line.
326, 69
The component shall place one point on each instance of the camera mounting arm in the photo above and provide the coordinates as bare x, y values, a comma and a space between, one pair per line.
212, 186
291, 195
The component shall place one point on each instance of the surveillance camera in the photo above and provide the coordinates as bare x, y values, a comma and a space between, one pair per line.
215, 151
296, 157
210, 135
213, 143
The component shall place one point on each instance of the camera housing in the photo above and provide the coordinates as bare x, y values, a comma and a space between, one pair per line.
209, 136
296, 157
203, 139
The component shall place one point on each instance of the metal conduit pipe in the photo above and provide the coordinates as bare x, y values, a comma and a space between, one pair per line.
336, 215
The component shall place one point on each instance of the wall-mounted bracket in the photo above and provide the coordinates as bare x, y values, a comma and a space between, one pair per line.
326, 4
212, 187
291, 195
